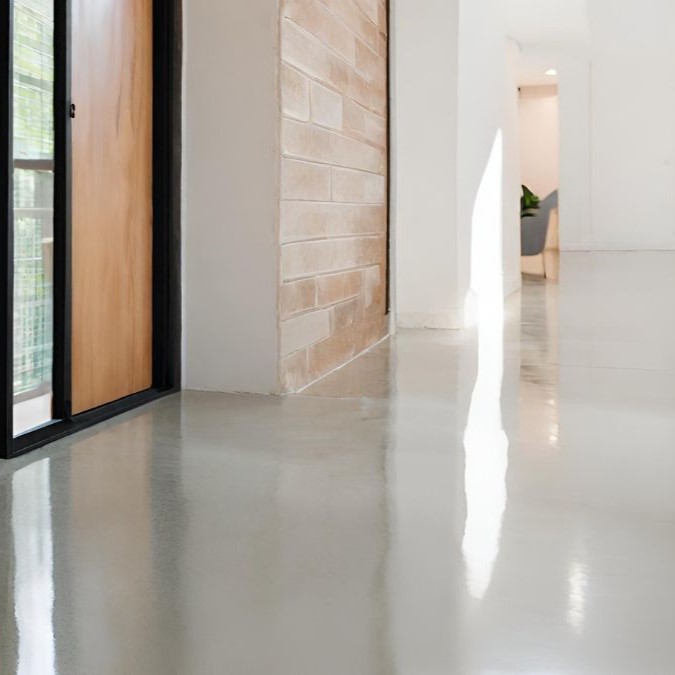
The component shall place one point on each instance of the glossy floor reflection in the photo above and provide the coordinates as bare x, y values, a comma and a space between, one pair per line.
402, 517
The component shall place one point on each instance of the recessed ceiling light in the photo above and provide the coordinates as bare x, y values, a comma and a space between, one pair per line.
551, 71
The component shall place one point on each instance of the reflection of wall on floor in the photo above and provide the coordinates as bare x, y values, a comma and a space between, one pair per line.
540, 159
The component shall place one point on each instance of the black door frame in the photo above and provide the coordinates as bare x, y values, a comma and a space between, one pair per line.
167, 159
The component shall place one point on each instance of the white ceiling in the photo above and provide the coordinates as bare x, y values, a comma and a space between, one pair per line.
533, 64
543, 28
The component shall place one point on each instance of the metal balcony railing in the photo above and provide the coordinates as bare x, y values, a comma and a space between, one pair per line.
33, 277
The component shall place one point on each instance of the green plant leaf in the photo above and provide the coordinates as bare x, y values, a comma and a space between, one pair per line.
529, 203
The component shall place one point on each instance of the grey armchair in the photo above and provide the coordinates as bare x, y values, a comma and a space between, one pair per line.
534, 230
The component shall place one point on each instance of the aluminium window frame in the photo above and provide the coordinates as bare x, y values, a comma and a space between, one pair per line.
167, 161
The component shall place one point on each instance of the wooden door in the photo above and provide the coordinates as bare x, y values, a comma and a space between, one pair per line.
112, 200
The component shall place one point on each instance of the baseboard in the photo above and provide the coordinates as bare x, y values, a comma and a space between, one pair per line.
448, 320
512, 285
613, 248
576, 248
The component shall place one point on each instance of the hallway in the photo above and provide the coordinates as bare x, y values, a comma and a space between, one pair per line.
404, 516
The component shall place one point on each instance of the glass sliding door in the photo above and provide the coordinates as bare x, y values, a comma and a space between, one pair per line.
89, 213
33, 75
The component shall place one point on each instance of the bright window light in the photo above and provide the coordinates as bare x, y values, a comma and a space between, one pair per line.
551, 71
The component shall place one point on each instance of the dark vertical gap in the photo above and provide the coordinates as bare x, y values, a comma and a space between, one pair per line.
167, 314
167, 114
6, 229
174, 139
62, 214
160, 169
389, 163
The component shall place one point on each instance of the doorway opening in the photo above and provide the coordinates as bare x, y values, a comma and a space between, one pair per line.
539, 133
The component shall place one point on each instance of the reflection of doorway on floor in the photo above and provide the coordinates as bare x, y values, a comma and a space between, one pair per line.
540, 158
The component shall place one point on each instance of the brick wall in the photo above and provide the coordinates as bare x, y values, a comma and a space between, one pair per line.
333, 224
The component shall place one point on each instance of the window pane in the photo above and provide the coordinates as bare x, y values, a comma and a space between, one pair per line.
33, 211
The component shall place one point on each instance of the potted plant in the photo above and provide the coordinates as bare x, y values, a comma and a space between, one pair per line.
529, 203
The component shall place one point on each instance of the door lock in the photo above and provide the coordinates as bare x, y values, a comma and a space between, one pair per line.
72, 111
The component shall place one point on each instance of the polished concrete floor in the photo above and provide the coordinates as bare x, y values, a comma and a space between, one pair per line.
500, 500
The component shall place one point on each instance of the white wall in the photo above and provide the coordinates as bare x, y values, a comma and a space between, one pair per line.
452, 96
511, 178
231, 165
633, 124
574, 90
454, 87
487, 104
540, 139
617, 130
424, 127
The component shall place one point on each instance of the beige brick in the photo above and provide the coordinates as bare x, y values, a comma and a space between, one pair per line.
312, 143
364, 125
298, 296
341, 346
346, 342
382, 19
354, 117
376, 130
359, 187
326, 107
314, 17
339, 287
333, 134
307, 54
346, 314
332, 255
383, 46
295, 372
370, 64
303, 180
304, 330
354, 17
374, 286
294, 94
370, 8
305, 220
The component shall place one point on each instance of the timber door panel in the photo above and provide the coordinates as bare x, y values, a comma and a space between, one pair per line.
112, 85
